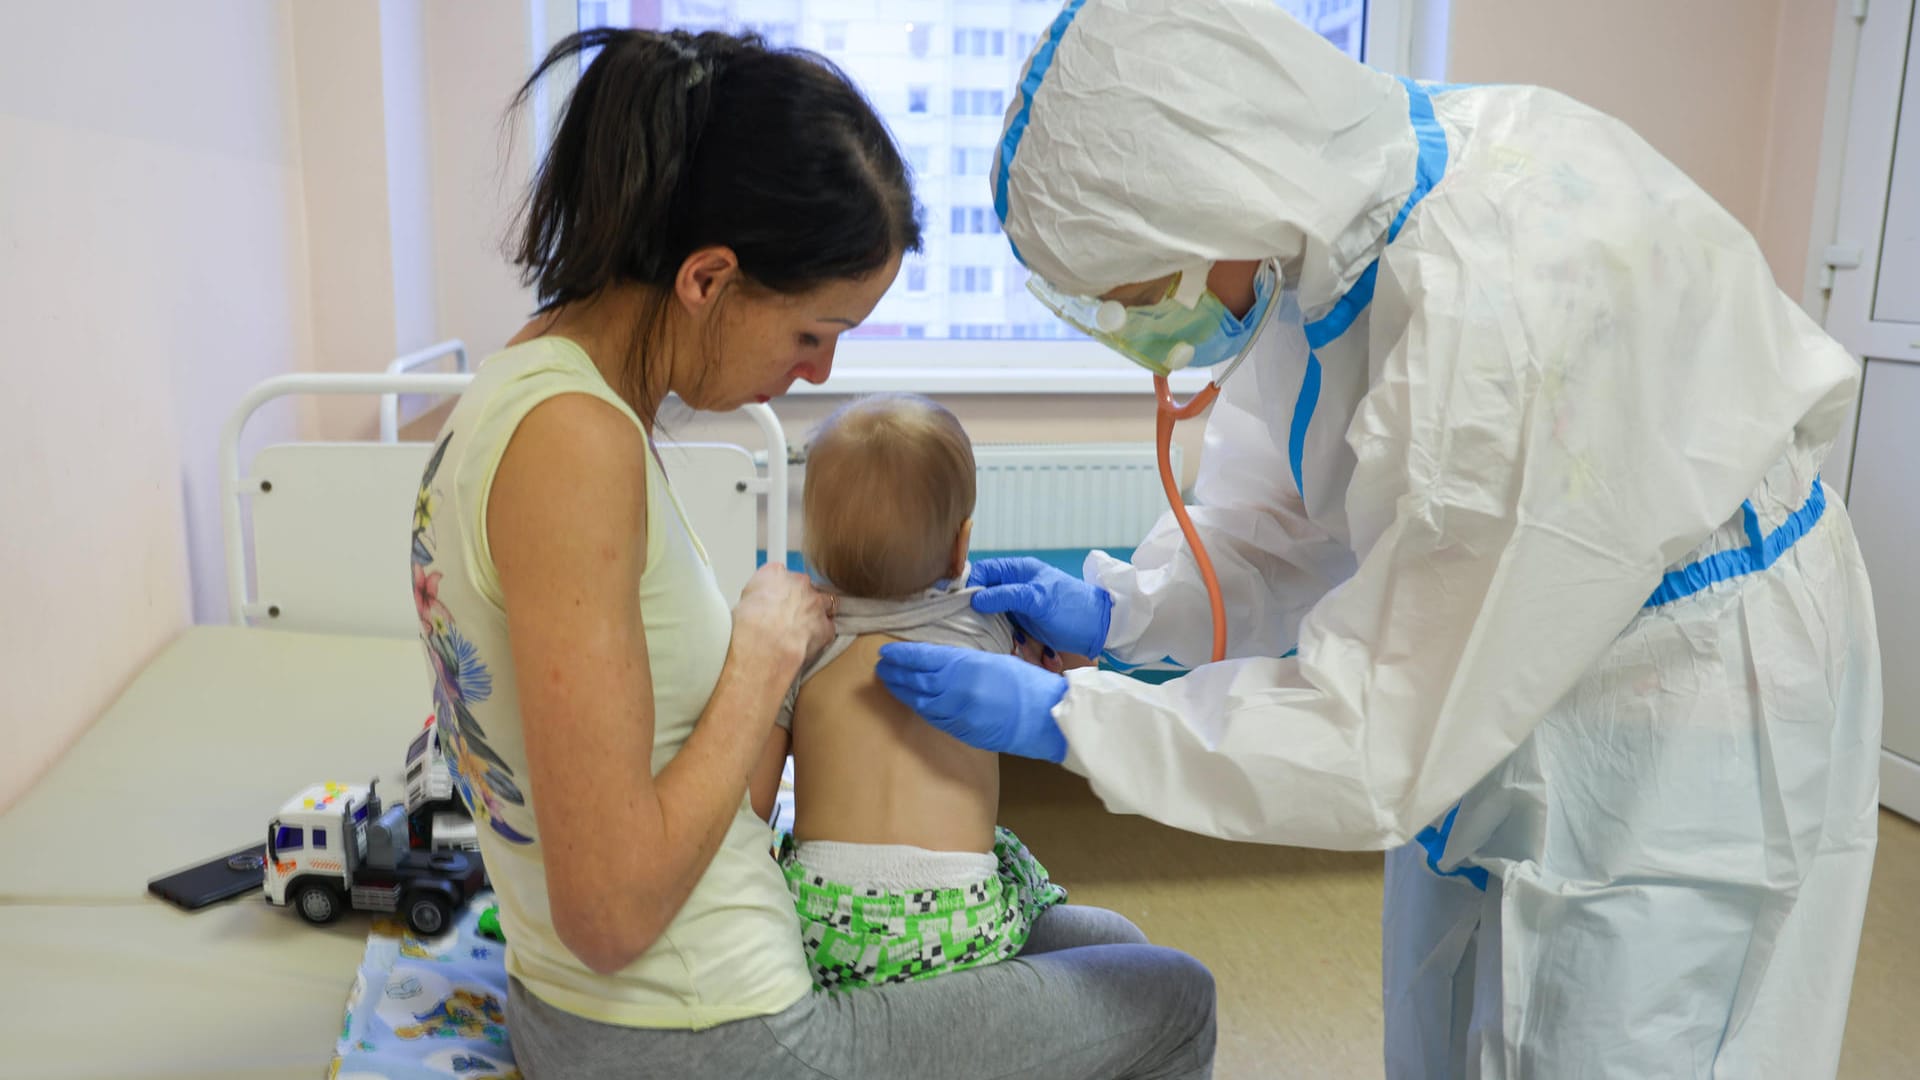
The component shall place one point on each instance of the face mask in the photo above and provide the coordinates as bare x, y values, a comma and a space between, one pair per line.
1189, 327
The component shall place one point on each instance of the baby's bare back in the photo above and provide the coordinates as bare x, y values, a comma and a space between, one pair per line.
868, 771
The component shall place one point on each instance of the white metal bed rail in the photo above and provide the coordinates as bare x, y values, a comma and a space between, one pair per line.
407, 365
236, 484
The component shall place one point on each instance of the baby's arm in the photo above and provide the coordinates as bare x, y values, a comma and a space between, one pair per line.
763, 785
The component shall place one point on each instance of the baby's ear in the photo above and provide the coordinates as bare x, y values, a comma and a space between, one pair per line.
958, 562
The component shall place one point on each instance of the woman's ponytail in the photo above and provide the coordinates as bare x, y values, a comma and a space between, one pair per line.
671, 142
618, 159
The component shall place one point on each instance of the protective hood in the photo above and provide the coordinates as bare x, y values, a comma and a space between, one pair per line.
1147, 136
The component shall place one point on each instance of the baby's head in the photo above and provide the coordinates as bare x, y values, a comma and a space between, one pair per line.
889, 496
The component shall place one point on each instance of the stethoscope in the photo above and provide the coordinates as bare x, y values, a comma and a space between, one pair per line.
1167, 413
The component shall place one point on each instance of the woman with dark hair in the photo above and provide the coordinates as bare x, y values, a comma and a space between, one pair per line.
711, 216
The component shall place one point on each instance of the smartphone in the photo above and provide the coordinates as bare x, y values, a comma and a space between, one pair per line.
217, 879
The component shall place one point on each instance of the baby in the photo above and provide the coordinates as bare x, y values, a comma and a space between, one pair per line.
896, 864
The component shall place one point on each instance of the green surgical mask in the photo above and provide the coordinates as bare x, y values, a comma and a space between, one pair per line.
1188, 327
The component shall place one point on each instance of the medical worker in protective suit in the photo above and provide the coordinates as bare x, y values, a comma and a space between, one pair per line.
1530, 577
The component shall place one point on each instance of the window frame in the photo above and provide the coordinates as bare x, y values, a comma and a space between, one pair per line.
1403, 37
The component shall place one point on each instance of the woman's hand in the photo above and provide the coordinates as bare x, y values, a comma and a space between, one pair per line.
782, 620
779, 626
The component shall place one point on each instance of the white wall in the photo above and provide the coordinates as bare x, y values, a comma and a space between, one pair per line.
152, 253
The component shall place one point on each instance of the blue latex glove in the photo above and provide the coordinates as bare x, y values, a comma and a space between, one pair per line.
986, 700
1056, 607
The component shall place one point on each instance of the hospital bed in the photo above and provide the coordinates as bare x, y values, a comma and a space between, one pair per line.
318, 677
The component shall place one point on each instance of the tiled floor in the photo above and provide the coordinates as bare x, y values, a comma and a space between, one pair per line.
1293, 936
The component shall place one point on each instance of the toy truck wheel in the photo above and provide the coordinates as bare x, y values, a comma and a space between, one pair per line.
428, 913
317, 902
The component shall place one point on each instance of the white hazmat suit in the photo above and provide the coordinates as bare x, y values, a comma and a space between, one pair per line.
1530, 482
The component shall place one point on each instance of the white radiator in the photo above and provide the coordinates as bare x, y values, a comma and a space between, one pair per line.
1066, 495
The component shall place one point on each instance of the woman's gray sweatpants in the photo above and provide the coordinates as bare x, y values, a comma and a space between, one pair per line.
1087, 999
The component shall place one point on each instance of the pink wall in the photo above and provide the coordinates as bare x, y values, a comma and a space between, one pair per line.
1789, 173
150, 245
341, 127
477, 54
1732, 91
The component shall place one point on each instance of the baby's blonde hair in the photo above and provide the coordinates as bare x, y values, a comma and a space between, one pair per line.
889, 486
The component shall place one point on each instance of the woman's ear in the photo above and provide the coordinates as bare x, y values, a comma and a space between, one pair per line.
960, 545
704, 275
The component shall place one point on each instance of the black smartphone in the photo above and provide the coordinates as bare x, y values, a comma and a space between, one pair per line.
215, 880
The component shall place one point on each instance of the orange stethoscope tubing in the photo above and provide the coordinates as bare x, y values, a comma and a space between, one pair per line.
1165, 415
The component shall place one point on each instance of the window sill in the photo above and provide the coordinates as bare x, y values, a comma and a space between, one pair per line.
989, 379
869, 366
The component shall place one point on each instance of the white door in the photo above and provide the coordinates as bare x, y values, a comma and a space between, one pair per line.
1875, 312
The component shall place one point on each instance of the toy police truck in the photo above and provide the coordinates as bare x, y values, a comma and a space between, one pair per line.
335, 846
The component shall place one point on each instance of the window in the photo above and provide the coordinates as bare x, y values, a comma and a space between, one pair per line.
1342, 22
979, 102
972, 161
319, 839
979, 220
1027, 331
780, 35
290, 838
966, 56
978, 41
970, 279
603, 13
